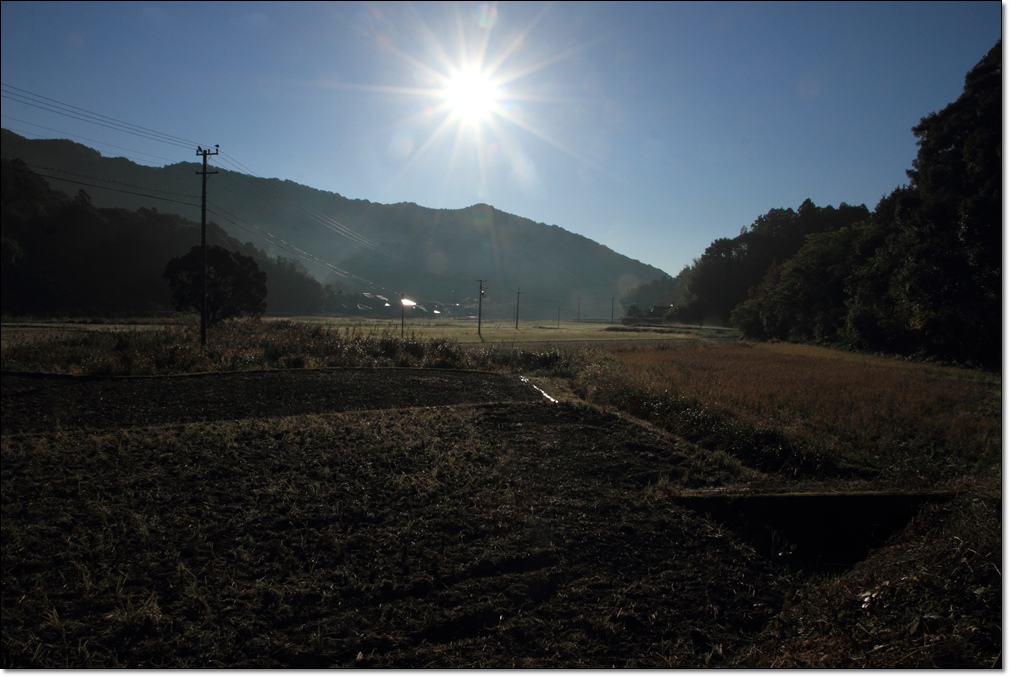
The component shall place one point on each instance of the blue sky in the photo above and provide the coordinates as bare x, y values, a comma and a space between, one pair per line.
653, 128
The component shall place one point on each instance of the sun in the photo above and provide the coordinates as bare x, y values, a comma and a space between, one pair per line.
471, 96
474, 103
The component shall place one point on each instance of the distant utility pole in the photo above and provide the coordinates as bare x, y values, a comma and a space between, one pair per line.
517, 308
578, 311
480, 303
611, 310
203, 239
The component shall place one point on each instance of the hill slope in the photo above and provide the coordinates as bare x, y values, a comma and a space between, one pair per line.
428, 254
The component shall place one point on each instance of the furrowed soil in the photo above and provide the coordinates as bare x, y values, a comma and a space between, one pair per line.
422, 518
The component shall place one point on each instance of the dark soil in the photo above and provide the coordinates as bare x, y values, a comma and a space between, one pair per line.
40, 402
506, 531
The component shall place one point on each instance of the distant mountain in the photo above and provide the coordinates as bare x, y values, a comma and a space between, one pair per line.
63, 256
432, 255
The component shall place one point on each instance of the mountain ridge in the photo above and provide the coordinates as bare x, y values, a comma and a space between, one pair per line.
399, 248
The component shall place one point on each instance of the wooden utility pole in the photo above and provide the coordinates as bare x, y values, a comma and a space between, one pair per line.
203, 240
517, 308
480, 305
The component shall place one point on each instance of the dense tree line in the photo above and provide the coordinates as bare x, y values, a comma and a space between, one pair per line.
923, 274
920, 275
725, 276
62, 255
730, 268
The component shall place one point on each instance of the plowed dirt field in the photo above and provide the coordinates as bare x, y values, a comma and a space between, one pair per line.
360, 518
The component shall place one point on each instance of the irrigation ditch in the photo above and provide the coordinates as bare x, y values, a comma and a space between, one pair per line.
814, 532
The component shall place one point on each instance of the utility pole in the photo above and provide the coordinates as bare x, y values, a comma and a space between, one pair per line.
517, 308
480, 303
611, 310
203, 240
578, 311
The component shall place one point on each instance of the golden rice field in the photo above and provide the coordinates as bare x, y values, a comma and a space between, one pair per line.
881, 412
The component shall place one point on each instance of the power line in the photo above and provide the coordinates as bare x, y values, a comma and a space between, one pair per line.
275, 241
318, 217
301, 254
51, 105
54, 106
115, 190
96, 178
269, 239
223, 214
81, 138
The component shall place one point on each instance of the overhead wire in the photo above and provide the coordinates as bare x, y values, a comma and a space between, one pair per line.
32, 99
48, 104
116, 190
258, 189
280, 243
113, 181
315, 215
68, 135
268, 237
23, 96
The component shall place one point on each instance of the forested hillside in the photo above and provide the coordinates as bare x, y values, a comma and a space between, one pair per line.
64, 255
433, 255
920, 275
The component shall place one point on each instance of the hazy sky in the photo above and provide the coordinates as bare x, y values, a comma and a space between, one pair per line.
653, 128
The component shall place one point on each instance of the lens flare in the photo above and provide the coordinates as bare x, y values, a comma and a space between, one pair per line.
480, 94
471, 96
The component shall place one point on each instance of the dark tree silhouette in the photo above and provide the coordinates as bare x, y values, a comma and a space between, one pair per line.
922, 274
731, 270
235, 284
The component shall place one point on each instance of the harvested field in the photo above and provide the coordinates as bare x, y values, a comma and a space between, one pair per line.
41, 402
422, 518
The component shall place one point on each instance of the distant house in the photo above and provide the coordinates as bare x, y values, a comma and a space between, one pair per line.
654, 315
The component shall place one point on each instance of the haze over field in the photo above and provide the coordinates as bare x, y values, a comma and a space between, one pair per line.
651, 128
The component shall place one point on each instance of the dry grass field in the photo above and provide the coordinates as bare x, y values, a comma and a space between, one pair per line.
316, 495
902, 420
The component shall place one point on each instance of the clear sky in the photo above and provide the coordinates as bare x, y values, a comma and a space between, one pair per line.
653, 128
